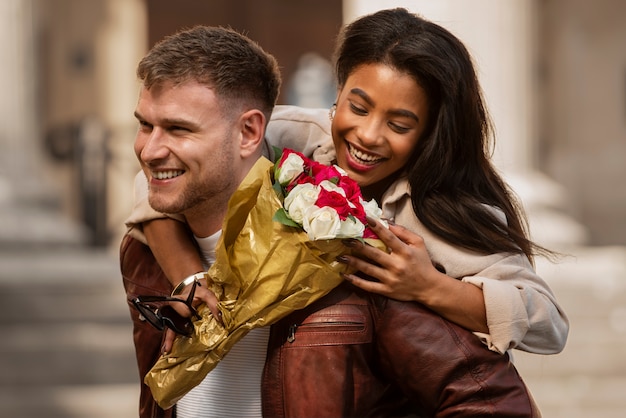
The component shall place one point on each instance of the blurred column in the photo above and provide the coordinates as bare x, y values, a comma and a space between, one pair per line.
500, 35
121, 44
29, 201
21, 157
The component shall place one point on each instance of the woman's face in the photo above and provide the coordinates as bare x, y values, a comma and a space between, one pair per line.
381, 114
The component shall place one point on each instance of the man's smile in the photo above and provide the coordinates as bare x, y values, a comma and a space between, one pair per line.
166, 175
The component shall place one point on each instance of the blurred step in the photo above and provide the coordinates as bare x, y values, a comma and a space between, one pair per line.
60, 353
92, 401
68, 351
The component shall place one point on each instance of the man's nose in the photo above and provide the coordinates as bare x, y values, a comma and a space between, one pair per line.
154, 147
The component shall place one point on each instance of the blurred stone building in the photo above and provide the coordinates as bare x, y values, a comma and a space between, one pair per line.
554, 74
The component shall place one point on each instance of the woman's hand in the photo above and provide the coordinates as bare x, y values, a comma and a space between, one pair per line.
407, 273
404, 273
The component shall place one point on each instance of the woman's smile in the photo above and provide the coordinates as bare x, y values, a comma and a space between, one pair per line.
361, 159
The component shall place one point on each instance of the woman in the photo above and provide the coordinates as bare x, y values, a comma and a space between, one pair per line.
411, 127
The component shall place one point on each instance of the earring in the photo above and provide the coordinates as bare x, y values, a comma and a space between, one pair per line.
331, 112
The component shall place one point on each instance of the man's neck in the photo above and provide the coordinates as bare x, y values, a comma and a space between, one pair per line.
207, 220
206, 223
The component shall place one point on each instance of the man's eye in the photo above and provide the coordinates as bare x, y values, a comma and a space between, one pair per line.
144, 126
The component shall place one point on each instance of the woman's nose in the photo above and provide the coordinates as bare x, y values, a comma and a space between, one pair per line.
370, 131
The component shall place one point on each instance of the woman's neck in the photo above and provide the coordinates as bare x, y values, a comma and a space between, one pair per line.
377, 190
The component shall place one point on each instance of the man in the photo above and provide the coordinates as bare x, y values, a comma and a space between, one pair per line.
207, 94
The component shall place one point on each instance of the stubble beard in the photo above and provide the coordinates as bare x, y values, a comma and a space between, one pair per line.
200, 197
159, 204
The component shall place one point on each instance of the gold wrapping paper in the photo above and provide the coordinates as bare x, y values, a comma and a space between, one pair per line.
263, 271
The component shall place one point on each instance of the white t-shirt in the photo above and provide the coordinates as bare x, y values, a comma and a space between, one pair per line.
233, 387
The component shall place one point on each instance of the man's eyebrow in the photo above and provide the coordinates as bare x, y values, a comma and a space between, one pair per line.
178, 122
170, 121
398, 112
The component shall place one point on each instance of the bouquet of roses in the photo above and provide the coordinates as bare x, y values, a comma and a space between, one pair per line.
264, 270
321, 199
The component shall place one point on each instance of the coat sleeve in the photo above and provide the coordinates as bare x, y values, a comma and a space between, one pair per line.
142, 211
301, 129
141, 275
522, 311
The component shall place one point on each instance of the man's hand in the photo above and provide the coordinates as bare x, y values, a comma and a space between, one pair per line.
201, 295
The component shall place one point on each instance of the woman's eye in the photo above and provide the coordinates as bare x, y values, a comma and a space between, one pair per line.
398, 128
358, 110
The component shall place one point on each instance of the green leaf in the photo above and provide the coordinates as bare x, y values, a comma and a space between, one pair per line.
278, 152
282, 217
279, 190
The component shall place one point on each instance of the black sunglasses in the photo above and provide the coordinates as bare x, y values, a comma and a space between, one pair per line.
163, 316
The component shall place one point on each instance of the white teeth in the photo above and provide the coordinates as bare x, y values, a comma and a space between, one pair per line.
363, 157
164, 175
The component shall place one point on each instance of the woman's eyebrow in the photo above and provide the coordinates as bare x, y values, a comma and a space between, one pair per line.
405, 113
397, 112
363, 95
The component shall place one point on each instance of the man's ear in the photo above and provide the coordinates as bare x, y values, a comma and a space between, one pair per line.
252, 132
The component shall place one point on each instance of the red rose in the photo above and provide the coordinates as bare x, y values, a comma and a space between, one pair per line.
359, 212
321, 172
352, 189
334, 200
368, 233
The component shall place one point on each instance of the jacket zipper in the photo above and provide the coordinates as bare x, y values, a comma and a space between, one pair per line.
291, 335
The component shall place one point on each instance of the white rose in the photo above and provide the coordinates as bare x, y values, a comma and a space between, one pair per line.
291, 168
373, 211
321, 223
299, 199
351, 228
332, 187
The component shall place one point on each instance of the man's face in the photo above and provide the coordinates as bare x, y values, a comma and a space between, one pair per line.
187, 148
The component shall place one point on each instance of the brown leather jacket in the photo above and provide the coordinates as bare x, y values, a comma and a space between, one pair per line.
356, 354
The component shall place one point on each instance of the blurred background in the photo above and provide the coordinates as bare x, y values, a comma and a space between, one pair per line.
554, 76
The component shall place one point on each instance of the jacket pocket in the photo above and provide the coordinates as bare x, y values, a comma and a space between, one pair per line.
332, 325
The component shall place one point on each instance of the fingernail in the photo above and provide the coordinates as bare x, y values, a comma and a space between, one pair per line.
371, 222
342, 259
163, 349
349, 242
